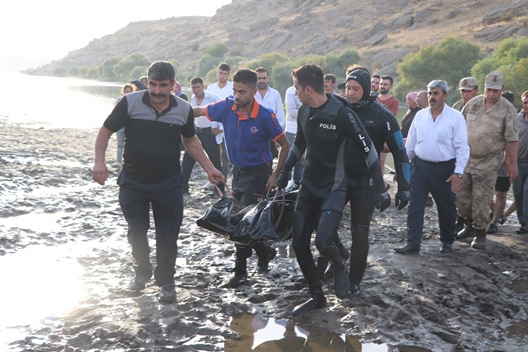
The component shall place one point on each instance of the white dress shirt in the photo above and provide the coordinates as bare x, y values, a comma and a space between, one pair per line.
292, 108
272, 100
202, 121
440, 140
221, 93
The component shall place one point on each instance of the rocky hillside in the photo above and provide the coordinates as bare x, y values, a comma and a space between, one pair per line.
383, 31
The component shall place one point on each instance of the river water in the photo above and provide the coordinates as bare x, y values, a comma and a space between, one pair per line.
53, 102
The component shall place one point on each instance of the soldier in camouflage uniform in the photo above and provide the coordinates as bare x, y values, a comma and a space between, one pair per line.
492, 139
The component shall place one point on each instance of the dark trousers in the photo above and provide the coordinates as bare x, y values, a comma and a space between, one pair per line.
210, 146
249, 186
166, 200
427, 177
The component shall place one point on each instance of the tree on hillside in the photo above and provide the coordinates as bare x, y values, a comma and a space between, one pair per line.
337, 63
267, 61
281, 76
206, 63
106, 69
510, 59
451, 60
217, 50
123, 69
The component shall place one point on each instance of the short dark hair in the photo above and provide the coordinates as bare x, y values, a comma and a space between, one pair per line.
330, 77
509, 95
375, 76
310, 75
224, 67
246, 76
341, 86
161, 70
261, 69
196, 80
387, 77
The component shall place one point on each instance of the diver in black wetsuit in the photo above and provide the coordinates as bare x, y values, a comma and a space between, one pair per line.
325, 127
382, 127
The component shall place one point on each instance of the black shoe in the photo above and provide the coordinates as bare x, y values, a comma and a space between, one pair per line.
139, 281
341, 283
263, 264
237, 280
492, 229
407, 250
309, 305
446, 248
468, 232
167, 294
354, 289
522, 230
502, 220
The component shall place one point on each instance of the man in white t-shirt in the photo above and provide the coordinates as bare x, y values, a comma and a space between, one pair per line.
222, 88
203, 130
292, 107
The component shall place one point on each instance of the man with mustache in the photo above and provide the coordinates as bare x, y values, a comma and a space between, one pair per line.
493, 138
249, 127
438, 150
155, 122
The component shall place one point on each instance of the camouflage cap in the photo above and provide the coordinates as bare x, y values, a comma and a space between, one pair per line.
494, 80
468, 83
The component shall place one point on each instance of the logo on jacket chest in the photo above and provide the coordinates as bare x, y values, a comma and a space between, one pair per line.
327, 126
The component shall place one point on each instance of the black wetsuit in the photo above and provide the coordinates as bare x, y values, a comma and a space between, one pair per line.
382, 127
325, 133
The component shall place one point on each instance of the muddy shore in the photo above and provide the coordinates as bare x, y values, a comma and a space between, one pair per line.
466, 300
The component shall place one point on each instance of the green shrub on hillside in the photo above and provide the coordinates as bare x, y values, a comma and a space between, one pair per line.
450, 61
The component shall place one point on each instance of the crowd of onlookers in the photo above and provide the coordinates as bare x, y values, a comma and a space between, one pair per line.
330, 143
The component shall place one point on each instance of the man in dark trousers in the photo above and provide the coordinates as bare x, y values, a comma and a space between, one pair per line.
155, 122
249, 127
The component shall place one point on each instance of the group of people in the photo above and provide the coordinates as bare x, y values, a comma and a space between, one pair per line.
332, 144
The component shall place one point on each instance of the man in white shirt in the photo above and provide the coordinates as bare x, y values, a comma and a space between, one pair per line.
292, 108
202, 129
222, 88
268, 96
437, 145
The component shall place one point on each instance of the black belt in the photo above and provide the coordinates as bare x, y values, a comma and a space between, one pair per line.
244, 170
438, 162
200, 130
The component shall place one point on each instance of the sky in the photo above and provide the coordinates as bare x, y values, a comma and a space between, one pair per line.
49, 29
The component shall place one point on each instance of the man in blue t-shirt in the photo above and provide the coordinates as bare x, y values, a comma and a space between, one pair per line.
248, 128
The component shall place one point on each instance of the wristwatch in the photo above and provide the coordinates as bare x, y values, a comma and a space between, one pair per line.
459, 175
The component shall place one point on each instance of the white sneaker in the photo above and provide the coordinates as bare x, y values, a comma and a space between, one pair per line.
208, 185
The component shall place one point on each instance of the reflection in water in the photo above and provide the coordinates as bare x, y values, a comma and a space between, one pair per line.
41, 222
282, 335
39, 285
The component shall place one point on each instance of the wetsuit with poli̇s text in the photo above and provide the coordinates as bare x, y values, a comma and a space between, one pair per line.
382, 128
325, 132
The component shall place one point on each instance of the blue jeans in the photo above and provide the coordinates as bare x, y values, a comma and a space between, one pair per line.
298, 169
520, 192
166, 200
210, 146
120, 135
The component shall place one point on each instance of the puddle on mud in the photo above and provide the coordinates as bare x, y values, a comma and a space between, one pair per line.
519, 329
275, 335
520, 285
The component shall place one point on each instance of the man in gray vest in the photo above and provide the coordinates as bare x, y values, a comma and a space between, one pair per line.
155, 122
